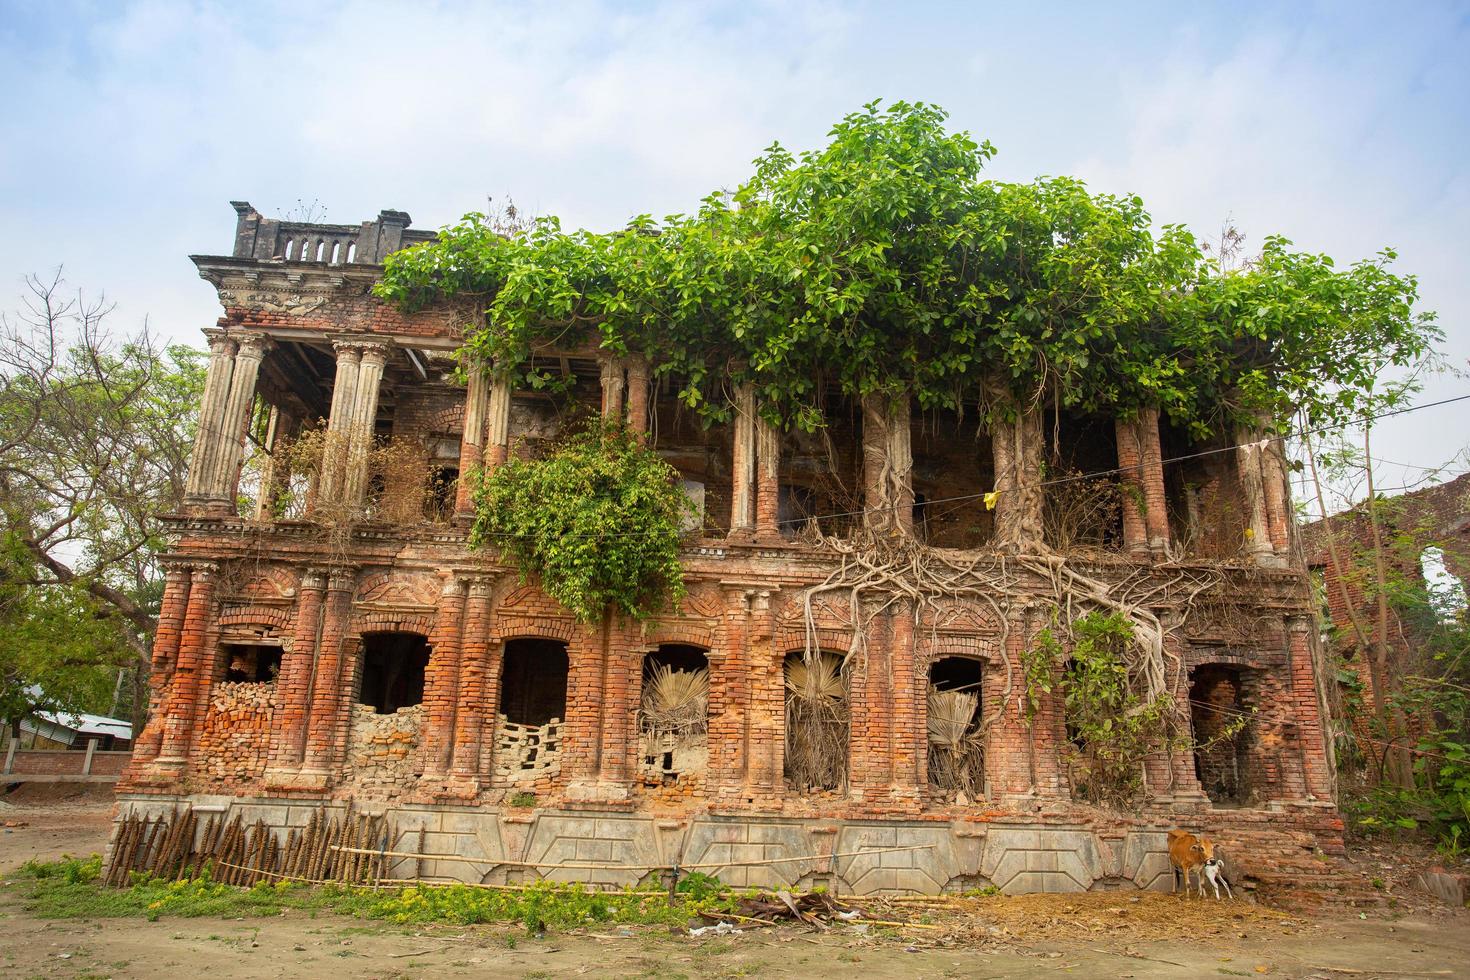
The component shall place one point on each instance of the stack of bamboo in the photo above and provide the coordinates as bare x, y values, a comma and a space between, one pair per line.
176, 846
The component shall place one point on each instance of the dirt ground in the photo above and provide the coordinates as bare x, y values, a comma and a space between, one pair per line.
1095, 935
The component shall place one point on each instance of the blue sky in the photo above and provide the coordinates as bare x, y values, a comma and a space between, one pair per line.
127, 127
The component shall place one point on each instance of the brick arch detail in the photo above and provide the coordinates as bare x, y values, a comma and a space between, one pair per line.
533, 628
448, 421
392, 622
272, 616
687, 633
1217, 659
789, 641
987, 651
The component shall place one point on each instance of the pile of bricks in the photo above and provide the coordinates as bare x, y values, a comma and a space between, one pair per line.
383, 753
235, 735
527, 753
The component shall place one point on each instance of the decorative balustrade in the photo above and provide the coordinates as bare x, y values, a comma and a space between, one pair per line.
271, 239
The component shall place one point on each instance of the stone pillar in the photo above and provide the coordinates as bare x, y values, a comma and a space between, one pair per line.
1249, 449
194, 659
1306, 709
469, 727
329, 694
166, 640
441, 678
364, 415
298, 669
334, 451
613, 386
1130, 455
211, 415
236, 424
767, 482
497, 424
638, 396
472, 440
743, 458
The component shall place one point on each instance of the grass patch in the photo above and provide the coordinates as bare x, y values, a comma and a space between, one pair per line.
69, 889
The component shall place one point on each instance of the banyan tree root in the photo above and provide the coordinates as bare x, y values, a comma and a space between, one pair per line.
877, 573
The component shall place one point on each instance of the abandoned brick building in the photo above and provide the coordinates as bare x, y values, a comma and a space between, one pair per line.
303, 662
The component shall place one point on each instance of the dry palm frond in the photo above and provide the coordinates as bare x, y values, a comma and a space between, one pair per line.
675, 702
818, 680
950, 716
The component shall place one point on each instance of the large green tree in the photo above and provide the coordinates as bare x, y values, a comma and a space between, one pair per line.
95, 435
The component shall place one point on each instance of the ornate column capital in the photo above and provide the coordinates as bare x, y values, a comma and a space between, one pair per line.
252, 344
203, 571
347, 348
315, 578
341, 579
375, 352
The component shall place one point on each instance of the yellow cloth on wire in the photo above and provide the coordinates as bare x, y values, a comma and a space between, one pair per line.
990, 499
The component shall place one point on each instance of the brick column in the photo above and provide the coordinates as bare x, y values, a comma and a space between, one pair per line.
166, 640
767, 483
766, 717
298, 669
729, 701
1307, 709
581, 752
211, 427
329, 694
364, 415
1130, 456
1186, 789
743, 456
1156, 504
225, 476
1278, 497
472, 440
194, 659
870, 713
910, 709
469, 725
497, 424
441, 678
638, 396
626, 649
339, 420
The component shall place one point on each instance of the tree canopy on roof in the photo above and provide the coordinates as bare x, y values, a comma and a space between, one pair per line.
886, 262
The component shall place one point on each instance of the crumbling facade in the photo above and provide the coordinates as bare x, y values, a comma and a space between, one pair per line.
327, 635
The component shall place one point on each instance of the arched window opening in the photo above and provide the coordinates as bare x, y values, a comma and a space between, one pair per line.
1219, 717
817, 722
956, 752
393, 667
1446, 591
251, 663
673, 714
533, 704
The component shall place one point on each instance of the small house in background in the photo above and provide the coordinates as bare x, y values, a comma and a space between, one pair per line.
60, 730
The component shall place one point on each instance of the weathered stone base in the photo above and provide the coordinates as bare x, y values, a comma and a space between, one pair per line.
1017, 853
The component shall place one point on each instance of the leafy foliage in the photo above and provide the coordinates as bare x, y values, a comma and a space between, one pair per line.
598, 521
883, 262
1111, 728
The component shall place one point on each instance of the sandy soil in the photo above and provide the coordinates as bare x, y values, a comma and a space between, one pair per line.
1098, 935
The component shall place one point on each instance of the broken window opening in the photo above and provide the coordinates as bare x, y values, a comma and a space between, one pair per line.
393, 667
443, 486
533, 704
1446, 591
1217, 700
1082, 510
673, 713
251, 663
817, 722
953, 468
956, 751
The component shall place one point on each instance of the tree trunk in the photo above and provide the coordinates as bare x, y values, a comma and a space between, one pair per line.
1017, 444
888, 496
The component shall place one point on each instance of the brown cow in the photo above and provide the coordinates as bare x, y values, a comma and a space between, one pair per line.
1189, 855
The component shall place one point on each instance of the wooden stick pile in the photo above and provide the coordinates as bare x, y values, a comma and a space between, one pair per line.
174, 846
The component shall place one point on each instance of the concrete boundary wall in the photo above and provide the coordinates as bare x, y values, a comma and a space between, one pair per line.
1016, 856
